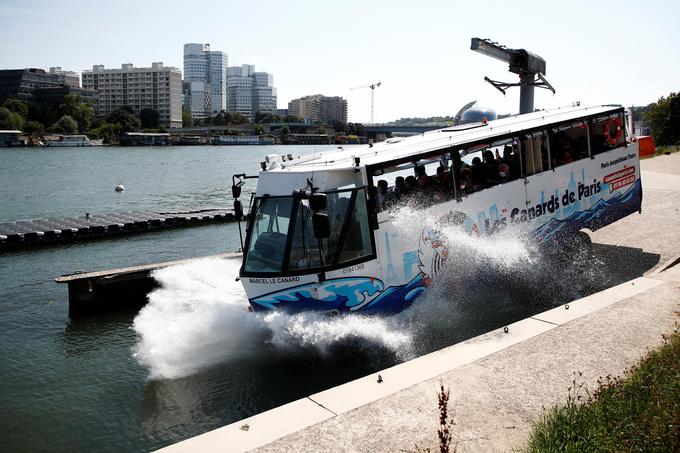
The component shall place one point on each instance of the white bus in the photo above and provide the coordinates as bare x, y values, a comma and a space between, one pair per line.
321, 231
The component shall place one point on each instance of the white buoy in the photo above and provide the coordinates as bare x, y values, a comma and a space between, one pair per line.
120, 188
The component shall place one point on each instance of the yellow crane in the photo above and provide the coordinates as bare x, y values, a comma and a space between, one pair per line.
372, 86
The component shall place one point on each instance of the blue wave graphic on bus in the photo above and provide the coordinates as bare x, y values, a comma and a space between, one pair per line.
344, 295
600, 214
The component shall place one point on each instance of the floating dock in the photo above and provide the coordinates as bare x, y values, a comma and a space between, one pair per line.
114, 289
90, 226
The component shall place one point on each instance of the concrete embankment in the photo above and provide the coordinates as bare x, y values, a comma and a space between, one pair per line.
500, 382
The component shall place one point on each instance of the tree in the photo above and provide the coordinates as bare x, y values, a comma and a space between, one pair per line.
237, 118
339, 126
187, 119
355, 129
663, 118
17, 106
107, 131
10, 120
34, 128
81, 112
259, 129
123, 117
67, 124
266, 117
293, 119
149, 118
42, 113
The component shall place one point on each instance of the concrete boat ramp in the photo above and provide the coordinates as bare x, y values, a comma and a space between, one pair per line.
500, 382
45, 231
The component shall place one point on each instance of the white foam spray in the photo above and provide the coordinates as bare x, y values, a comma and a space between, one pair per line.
199, 318
196, 318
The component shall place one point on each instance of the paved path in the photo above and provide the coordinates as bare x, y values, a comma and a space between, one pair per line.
500, 382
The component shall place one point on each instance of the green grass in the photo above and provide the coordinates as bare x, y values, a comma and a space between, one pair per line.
637, 412
660, 150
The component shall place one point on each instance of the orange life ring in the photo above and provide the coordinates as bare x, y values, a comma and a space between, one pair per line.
606, 129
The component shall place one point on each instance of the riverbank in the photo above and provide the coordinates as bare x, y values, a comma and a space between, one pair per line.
637, 411
500, 382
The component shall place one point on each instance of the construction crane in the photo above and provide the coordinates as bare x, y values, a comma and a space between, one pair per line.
372, 86
529, 66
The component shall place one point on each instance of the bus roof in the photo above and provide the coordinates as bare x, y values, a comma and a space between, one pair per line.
399, 149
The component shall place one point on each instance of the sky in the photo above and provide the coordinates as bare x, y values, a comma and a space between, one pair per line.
616, 52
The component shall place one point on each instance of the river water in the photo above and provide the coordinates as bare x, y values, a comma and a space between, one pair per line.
194, 359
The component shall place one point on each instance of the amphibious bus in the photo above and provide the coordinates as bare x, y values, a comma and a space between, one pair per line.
321, 229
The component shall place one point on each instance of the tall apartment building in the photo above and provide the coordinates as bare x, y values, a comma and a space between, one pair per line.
240, 90
158, 88
333, 108
249, 92
318, 107
264, 93
307, 107
205, 77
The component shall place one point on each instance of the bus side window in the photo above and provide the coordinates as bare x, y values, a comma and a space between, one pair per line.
606, 133
568, 143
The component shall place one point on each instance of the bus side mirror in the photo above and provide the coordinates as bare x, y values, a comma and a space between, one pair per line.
317, 201
322, 226
236, 191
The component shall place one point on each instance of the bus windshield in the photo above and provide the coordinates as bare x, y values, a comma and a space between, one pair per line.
282, 227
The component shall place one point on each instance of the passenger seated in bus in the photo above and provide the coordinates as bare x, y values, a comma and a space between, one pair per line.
479, 173
441, 185
490, 162
511, 160
424, 183
444, 177
399, 186
385, 198
465, 181
565, 158
503, 173
419, 170
411, 185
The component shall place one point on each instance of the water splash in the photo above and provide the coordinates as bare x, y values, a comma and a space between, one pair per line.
322, 332
198, 318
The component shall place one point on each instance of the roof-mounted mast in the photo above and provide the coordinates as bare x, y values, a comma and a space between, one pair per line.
529, 66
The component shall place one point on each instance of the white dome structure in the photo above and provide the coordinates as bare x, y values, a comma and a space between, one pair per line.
476, 114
